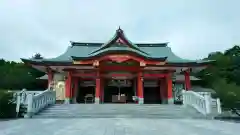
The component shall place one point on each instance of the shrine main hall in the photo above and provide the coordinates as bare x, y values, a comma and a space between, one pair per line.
117, 71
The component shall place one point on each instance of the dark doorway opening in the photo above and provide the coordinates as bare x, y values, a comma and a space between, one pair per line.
118, 91
129, 92
108, 92
85, 91
152, 95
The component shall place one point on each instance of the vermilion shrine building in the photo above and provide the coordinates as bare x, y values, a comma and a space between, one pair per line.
118, 71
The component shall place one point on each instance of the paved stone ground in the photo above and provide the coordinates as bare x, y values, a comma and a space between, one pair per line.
118, 126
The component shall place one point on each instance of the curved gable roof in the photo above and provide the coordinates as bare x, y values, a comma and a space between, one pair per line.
119, 44
120, 40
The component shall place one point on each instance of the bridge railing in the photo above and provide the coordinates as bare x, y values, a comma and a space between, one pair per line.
21, 97
36, 103
202, 102
216, 106
199, 102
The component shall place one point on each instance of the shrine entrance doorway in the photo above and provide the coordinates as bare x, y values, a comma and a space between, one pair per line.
152, 92
86, 92
118, 91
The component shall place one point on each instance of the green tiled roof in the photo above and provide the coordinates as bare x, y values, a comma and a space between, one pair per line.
119, 48
88, 50
85, 51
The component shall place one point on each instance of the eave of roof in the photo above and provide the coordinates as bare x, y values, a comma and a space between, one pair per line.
70, 63
47, 62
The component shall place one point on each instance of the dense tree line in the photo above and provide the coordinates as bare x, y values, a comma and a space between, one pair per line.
224, 76
17, 75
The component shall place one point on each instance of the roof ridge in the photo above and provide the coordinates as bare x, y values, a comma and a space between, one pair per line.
86, 43
152, 44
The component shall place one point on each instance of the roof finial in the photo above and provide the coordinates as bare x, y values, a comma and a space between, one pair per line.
119, 29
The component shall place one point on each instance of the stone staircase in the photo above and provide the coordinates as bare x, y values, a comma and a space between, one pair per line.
118, 111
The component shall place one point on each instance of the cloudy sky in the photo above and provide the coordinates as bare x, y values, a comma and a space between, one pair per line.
194, 28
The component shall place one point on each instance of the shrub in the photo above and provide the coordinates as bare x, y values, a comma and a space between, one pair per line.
229, 93
7, 106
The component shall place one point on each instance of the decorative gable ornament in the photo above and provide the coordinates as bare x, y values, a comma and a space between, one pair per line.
96, 63
120, 41
142, 64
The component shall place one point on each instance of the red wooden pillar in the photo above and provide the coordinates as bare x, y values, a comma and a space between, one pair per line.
163, 91
187, 80
97, 89
102, 90
68, 82
169, 88
140, 88
50, 77
75, 90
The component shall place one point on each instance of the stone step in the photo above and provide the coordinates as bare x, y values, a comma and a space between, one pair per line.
114, 116
118, 110
110, 107
113, 107
113, 110
123, 112
119, 105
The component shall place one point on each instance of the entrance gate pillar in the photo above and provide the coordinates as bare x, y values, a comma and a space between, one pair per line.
97, 90
50, 77
169, 88
163, 91
187, 80
75, 90
68, 83
102, 90
140, 88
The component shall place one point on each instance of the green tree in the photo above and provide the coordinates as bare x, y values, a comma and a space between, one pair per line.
223, 75
18, 75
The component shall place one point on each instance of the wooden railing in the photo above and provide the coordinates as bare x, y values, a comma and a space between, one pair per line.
36, 103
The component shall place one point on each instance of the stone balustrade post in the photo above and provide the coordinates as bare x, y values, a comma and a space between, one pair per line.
184, 98
207, 103
18, 103
30, 110
219, 109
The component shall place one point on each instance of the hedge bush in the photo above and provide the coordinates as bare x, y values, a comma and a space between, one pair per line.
7, 106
